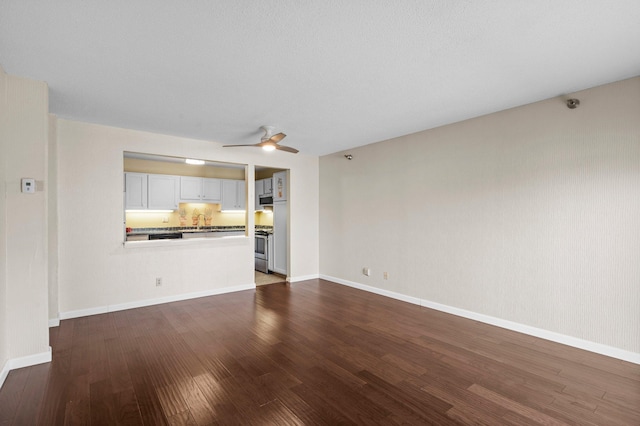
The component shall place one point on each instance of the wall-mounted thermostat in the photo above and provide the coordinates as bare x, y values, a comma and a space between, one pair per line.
28, 185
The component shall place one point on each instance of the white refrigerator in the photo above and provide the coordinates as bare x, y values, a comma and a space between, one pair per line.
280, 219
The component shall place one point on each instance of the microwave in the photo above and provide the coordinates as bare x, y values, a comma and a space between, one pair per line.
266, 200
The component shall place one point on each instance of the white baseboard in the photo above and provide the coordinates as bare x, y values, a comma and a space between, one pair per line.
509, 325
84, 312
4, 373
25, 361
54, 322
149, 302
368, 288
303, 278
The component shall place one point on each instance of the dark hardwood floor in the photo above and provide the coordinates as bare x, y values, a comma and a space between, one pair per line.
315, 353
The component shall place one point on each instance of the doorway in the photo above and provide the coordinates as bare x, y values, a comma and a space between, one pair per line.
271, 247
271, 278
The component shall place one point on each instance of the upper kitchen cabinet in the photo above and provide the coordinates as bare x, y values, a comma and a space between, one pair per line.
149, 191
211, 190
190, 188
258, 192
197, 189
233, 195
280, 186
267, 186
163, 192
135, 190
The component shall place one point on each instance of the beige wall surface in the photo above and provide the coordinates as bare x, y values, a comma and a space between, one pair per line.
95, 270
52, 209
23, 308
4, 343
530, 215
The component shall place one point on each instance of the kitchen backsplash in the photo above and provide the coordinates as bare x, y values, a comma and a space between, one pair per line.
205, 211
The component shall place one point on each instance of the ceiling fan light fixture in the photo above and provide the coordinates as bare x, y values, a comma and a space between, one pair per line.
269, 142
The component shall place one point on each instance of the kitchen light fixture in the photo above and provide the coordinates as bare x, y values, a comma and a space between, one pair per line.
194, 162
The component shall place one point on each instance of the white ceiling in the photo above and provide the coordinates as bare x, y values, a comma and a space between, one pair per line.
332, 74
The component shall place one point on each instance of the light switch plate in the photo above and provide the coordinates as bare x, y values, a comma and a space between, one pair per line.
28, 185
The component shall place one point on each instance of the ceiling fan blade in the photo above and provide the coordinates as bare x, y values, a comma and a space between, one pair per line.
286, 148
231, 146
277, 138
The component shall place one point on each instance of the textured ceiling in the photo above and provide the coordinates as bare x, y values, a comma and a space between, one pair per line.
331, 74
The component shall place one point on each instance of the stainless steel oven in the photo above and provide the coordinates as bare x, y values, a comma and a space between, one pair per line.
262, 252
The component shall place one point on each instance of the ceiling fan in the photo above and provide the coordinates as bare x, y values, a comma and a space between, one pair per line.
269, 141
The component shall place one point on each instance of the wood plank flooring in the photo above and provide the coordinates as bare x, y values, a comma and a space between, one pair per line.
315, 353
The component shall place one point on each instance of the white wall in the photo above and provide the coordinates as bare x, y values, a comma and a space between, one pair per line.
4, 344
23, 238
96, 271
530, 215
52, 220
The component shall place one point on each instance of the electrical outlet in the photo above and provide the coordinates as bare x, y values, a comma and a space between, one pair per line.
158, 282
366, 271
385, 275
28, 185
165, 219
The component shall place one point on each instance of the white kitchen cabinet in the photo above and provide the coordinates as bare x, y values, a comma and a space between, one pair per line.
280, 186
233, 195
198, 189
258, 193
267, 186
150, 191
190, 188
162, 192
241, 195
211, 190
135, 187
